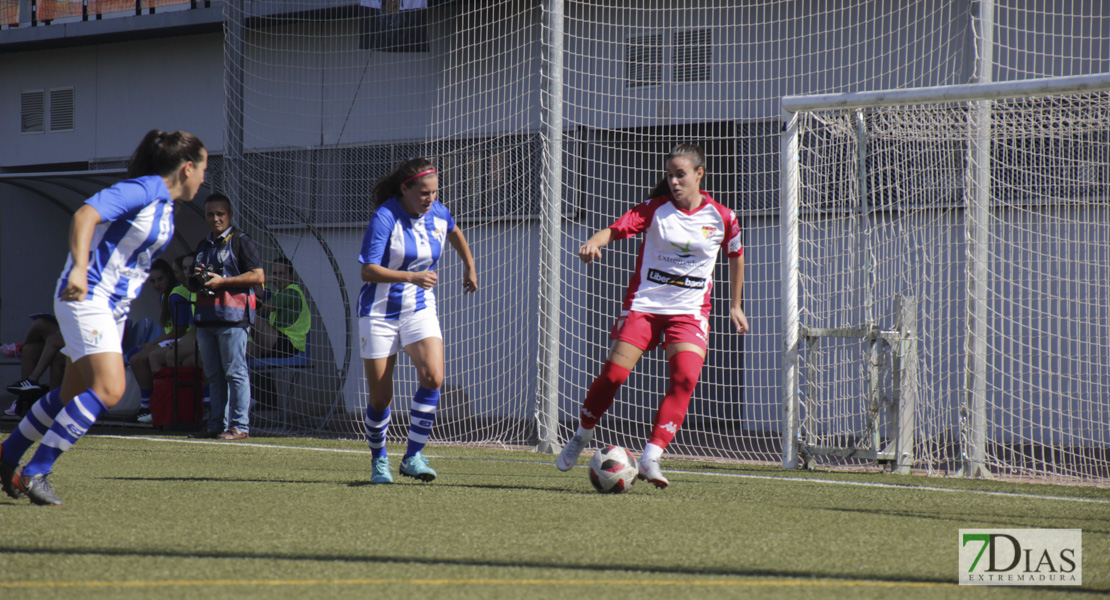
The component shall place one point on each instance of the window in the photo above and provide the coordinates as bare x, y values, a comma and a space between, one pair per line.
61, 109
644, 60
32, 111
692, 54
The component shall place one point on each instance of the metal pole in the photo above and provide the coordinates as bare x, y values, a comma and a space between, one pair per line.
233, 97
863, 225
973, 426
551, 235
789, 203
906, 385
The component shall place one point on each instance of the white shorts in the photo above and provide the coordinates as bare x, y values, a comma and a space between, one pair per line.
379, 338
88, 328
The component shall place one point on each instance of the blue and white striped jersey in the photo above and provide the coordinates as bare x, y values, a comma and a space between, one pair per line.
136, 225
396, 240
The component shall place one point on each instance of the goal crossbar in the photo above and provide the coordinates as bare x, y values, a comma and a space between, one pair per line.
948, 93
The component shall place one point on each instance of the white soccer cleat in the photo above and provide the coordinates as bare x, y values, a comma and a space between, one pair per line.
649, 470
570, 453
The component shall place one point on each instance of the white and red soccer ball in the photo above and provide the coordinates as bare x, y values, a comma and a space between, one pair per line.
613, 470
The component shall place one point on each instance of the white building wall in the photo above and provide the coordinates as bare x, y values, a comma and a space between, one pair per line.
121, 91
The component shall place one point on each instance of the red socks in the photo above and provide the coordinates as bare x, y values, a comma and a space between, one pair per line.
601, 394
685, 369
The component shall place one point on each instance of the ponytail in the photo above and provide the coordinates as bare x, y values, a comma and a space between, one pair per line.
389, 186
162, 153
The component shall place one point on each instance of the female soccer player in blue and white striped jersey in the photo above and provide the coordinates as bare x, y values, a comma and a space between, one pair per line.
114, 237
397, 306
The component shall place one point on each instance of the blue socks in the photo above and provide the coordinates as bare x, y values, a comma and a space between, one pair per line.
33, 426
377, 424
422, 416
71, 423
144, 398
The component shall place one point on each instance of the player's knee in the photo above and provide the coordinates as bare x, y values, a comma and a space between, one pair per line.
110, 393
683, 382
685, 369
431, 379
613, 374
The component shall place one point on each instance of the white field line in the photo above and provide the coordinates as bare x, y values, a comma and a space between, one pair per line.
914, 488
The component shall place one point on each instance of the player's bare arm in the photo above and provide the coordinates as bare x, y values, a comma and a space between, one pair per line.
736, 283
591, 250
470, 274
81, 231
372, 273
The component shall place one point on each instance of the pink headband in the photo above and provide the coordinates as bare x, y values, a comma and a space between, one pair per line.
418, 176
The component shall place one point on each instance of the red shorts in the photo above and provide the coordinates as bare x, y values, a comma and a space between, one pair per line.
646, 330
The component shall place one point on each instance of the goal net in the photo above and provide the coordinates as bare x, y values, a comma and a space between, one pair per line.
548, 120
973, 233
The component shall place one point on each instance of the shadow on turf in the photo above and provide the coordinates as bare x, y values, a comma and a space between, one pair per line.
967, 520
363, 483
496, 487
429, 562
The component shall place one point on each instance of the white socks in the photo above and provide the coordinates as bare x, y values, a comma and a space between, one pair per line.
651, 453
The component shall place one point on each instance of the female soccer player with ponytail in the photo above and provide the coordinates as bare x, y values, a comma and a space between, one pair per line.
397, 307
667, 299
114, 237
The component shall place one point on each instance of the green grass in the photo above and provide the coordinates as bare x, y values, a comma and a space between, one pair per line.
160, 516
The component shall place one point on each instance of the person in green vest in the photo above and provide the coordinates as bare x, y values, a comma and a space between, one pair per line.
182, 352
175, 317
284, 331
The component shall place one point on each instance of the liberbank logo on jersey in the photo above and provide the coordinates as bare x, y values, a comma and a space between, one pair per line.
682, 281
1021, 557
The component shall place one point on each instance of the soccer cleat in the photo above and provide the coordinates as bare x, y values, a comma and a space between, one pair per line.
570, 453
144, 416
416, 466
13, 410
380, 473
25, 385
7, 478
38, 489
649, 470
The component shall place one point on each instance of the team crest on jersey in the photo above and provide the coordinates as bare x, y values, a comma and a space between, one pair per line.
708, 231
143, 259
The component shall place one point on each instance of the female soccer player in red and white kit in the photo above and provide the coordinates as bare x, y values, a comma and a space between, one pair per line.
667, 299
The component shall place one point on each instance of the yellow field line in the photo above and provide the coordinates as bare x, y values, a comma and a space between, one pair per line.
448, 582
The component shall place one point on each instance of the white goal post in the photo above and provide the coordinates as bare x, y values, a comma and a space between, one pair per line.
946, 278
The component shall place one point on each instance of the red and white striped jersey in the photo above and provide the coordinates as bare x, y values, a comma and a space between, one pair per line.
674, 270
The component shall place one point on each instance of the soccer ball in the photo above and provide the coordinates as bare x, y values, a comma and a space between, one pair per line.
613, 470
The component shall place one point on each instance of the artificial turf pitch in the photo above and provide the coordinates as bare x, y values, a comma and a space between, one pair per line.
159, 516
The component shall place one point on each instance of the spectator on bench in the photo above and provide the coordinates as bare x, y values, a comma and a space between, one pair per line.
175, 316
284, 330
182, 352
41, 351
